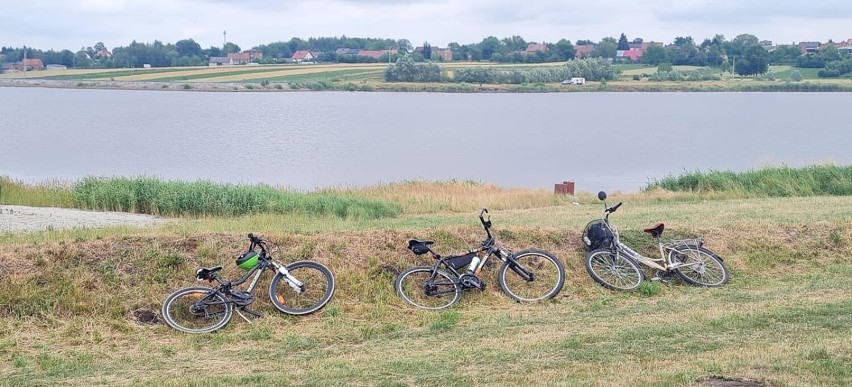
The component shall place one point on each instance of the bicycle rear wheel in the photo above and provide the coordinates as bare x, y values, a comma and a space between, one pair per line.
547, 276
701, 267
197, 310
315, 292
417, 287
613, 271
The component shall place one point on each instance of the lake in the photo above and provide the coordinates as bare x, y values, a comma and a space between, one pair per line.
306, 140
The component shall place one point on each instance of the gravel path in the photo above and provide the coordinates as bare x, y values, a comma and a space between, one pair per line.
22, 218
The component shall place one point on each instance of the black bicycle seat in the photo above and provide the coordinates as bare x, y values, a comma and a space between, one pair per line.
212, 269
205, 273
412, 242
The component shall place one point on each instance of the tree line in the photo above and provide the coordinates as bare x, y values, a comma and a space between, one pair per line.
743, 54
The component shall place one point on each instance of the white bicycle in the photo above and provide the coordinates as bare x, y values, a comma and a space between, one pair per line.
616, 266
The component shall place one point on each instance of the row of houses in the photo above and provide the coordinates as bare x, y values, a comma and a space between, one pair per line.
24, 65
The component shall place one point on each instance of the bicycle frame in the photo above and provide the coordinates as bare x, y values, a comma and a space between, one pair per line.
489, 247
663, 263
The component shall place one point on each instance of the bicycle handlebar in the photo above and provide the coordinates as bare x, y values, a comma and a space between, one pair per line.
613, 208
256, 241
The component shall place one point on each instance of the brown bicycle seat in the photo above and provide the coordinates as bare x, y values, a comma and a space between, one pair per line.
655, 230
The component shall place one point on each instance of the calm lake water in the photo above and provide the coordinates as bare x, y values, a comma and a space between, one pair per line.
307, 140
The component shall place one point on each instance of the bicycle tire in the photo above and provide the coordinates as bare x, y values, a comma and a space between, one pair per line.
318, 288
537, 262
716, 276
210, 317
622, 272
410, 286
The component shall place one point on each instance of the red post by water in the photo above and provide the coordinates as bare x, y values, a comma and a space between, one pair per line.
566, 188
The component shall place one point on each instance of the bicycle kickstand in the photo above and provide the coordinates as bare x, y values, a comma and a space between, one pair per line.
249, 311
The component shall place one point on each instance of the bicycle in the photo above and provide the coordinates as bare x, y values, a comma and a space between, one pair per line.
615, 265
300, 288
538, 274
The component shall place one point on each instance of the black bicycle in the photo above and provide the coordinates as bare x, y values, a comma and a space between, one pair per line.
527, 275
299, 288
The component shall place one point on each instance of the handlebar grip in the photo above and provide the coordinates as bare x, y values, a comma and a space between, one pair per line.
615, 207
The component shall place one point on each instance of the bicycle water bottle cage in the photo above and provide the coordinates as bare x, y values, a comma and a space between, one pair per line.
656, 230
206, 273
419, 246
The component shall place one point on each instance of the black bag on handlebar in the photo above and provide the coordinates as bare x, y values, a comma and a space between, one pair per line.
597, 235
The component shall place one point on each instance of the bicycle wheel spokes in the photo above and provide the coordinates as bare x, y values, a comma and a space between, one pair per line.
699, 267
316, 290
613, 270
196, 310
546, 271
416, 286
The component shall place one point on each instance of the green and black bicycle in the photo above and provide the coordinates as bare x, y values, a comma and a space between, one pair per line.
299, 288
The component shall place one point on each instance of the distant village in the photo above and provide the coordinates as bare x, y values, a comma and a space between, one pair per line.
634, 53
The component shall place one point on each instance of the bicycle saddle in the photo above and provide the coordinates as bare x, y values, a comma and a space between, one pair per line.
205, 272
655, 230
412, 242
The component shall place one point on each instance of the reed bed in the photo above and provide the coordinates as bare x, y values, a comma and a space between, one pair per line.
176, 198
783, 181
54, 193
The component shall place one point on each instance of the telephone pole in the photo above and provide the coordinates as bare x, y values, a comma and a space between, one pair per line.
224, 39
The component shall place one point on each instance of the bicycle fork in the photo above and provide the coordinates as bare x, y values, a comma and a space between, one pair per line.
294, 283
516, 267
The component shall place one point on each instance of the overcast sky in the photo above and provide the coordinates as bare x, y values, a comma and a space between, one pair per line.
72, 24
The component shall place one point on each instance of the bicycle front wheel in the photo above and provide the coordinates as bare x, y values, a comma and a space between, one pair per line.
535, 275
316, 290
418, 287
613, 271
701, 267
197, 310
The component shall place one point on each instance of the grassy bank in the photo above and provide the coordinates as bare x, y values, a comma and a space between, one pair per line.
369, 77
69, 303
769, 181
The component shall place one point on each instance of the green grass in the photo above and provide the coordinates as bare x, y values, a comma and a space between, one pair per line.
327, 75
67, 300
769, 181
254, 70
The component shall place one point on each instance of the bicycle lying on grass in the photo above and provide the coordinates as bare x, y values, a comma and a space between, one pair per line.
614, 265
527, 275
299, 288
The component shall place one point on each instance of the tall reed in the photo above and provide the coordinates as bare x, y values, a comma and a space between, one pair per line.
780, 181
154, 196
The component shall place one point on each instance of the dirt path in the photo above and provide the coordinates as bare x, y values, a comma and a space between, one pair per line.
23, 219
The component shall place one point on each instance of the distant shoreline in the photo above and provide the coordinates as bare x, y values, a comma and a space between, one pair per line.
615, 86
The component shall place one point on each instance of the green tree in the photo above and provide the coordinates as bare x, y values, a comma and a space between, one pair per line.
230, 47
427, 51
607, 48
785, 55
830, 54
755, 60
515, 43
795, 76
489, 46
82, 60
563, 49
655, 55
188, 47
622, 42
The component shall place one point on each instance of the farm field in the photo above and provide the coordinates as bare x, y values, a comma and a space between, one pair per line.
76, 306
370, 77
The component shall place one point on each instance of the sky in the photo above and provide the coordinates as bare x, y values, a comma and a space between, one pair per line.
64, 24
